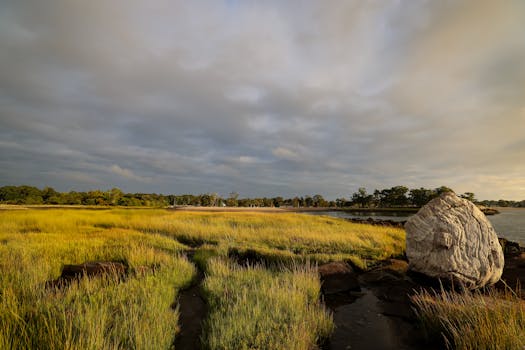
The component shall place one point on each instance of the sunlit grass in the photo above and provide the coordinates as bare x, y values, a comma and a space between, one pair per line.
301, 235
473, 320
99, 313
284, 309
103, 313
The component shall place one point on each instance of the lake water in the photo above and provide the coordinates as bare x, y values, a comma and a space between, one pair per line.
509, 223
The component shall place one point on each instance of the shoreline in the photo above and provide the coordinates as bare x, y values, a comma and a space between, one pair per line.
486, 211
292, 209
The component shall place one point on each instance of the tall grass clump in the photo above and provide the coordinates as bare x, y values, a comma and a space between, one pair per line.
255, 308
473, 320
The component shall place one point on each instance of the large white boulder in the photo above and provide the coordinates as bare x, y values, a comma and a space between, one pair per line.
450, 238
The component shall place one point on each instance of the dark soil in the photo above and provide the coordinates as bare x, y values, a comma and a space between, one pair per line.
192, 312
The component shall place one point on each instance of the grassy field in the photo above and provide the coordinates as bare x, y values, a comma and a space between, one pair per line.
272, 235
101, 313
266, 306
273, 305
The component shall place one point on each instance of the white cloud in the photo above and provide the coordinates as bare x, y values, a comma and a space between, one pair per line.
128, 174
247, 160
285, 153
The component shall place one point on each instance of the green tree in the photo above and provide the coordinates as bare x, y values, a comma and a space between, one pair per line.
319, 201
361, 198
308, 201
206, 200
395, 196
74, 198
113, 196
440, 190
267, 202
232, 200
50, 196
420, 196
278, 201
10, 195
468, 196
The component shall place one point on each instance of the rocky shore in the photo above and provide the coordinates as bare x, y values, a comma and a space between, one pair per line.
377, 222
373, 309
489, 211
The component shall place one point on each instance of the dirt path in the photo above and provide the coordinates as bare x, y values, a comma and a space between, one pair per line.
192, 312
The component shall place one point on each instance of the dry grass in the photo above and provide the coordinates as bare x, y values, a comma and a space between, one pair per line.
474, 320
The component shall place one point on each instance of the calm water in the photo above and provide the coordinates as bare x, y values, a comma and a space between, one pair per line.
510, 223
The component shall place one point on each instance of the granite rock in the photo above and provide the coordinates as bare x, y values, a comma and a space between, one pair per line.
451, 239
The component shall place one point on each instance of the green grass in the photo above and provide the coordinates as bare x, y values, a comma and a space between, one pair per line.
298, 235
473, 320
284, 309
266, 307
100, 313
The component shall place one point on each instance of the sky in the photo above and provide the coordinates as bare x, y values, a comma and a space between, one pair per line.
263, 98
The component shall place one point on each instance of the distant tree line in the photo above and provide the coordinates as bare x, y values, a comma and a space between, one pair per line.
503, 203
115, 197
397, 196
33, 195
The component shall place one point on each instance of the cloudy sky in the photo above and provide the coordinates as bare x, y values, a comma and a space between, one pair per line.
263, 97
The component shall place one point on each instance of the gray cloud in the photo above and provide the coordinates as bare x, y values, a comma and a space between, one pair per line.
263, 98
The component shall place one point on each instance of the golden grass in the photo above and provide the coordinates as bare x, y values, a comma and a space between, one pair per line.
320, 238
105, 314
473, 320
284, 313
100, 313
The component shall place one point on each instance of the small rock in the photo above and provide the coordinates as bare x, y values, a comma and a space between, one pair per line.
92, 269
338, 277
89, 269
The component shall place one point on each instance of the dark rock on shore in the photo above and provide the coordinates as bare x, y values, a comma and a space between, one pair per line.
376, 222
514, 272
510, 248
337, 277
380, 314
489, 211
92, 269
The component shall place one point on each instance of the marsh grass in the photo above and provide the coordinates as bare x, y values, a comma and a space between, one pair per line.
90, 313
473, 320
250, 307
319, 238
284, 313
